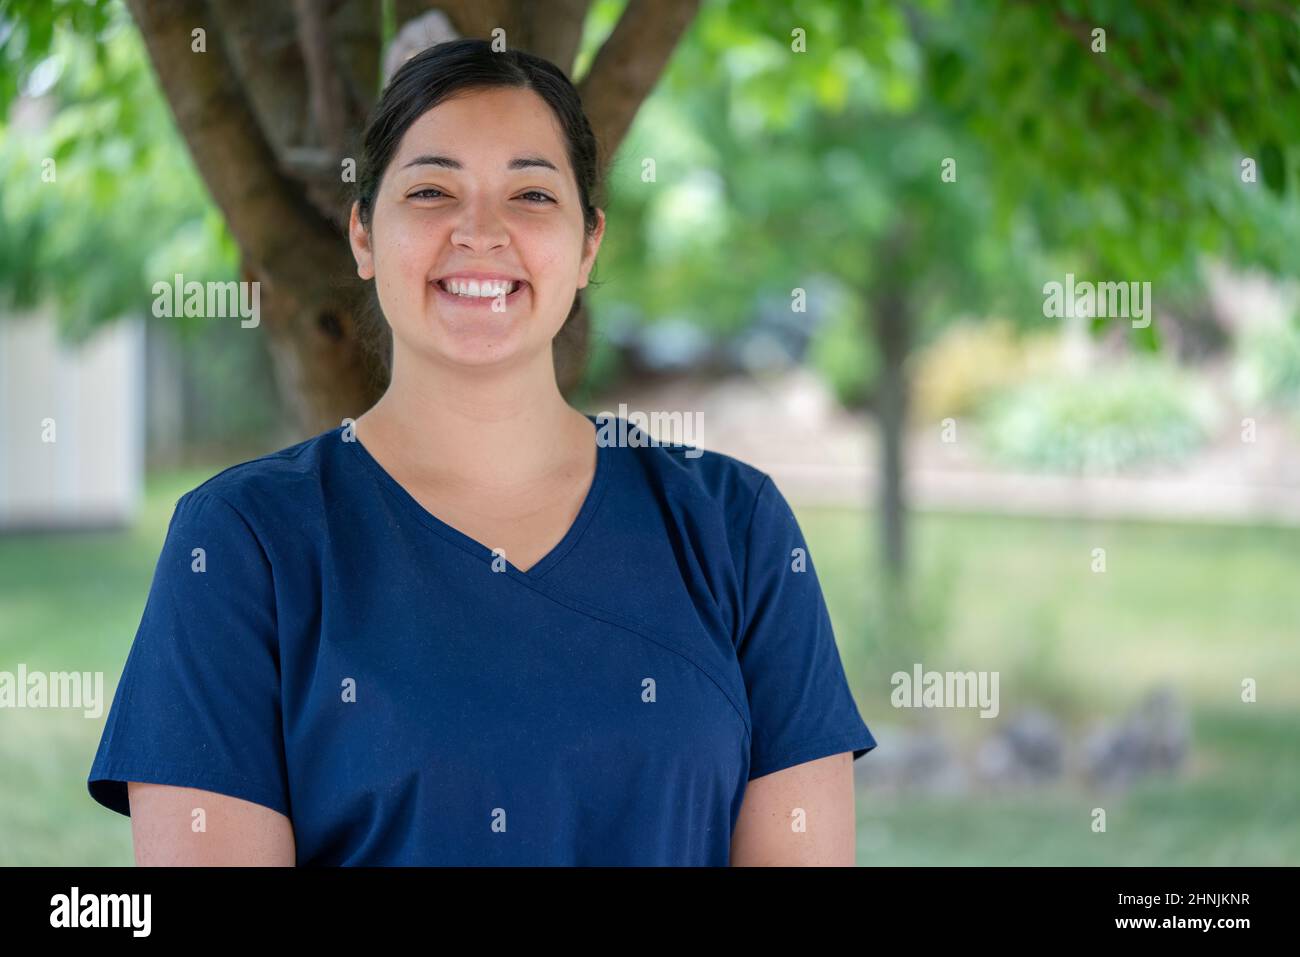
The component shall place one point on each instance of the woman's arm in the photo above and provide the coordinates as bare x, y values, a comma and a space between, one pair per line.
236, 832
766, 833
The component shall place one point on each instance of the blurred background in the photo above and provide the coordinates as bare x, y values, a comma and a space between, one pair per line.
832, 236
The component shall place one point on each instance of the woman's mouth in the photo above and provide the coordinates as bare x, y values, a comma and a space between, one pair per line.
479, 292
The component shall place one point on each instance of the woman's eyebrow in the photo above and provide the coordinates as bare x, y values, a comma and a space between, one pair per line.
446, 162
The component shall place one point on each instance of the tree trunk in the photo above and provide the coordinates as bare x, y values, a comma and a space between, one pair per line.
890, 312
571, 349
325, 370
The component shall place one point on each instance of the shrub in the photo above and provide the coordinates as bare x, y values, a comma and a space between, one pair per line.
970, 362
1266, 369
1114, 418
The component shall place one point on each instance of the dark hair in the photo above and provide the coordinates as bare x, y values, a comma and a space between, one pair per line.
440, 71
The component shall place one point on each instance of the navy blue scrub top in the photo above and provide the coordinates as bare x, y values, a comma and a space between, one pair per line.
339, 654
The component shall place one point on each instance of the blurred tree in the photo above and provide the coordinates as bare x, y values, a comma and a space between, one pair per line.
945, 159
1136, 138
821, 127
1115, 138
99, 198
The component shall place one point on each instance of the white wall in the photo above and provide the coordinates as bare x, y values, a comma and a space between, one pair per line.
92, 474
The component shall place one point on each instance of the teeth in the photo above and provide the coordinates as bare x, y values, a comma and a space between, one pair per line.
486, 289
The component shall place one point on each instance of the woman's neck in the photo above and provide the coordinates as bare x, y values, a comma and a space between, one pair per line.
498, 429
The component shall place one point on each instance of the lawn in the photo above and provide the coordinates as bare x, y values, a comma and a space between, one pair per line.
1196, 606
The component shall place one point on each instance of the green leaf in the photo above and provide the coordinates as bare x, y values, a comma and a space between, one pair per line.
1146, 338
1272, 167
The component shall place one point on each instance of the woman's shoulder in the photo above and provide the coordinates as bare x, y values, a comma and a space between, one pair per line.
692, 476
285, 481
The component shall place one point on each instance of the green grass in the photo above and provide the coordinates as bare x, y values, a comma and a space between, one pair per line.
1239, 806
71, 602
1195, 607
1200, 607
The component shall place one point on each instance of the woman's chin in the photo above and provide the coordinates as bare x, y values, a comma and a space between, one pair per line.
477, 341
474, 328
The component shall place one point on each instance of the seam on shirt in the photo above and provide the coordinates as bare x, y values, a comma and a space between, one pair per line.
479, 552
628, 625
535, 583
298, 449
275, 610
556, 558
552, 593
794, 756
744, 573
122, 772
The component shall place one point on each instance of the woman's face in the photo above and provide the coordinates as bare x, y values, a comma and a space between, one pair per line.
480, 188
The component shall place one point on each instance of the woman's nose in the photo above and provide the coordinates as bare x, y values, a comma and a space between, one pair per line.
479, 228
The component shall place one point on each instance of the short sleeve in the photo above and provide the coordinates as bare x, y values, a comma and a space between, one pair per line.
801, 707
198, 702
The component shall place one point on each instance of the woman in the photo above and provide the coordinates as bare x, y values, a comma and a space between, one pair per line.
467, 628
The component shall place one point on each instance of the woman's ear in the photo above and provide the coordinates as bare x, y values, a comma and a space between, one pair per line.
359, 237
592, 246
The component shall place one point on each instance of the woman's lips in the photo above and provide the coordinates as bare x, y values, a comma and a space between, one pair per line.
478, 302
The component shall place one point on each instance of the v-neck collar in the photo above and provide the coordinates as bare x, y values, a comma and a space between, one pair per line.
539, 568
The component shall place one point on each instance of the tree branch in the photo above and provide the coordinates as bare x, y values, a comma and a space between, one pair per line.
552, 30
324, 82
275, 226
262, 43
356, 29
471, 18
629, 64
1083, 33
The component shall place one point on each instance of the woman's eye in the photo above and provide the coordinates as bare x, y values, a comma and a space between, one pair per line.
429, 193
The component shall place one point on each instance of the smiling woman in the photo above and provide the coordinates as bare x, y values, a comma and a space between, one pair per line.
440, 221
462, 629
520, 195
